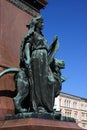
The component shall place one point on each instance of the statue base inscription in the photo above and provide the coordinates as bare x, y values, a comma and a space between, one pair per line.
37, 124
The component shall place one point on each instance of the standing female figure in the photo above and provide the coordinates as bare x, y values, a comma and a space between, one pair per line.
34, 57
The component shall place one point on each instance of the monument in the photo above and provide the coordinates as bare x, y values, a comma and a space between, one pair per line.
38, 80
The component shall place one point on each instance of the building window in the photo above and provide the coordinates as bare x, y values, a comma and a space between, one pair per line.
83, 116
86, 116
82, 106
60, 102
67, 103
75, 105
68, 113
85, 107
75, 115
83, 124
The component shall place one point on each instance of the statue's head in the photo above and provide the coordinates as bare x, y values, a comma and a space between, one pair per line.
34, 22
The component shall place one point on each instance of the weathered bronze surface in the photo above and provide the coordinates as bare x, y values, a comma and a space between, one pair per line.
38, 80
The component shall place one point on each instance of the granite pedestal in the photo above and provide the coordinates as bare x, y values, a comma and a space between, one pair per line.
37, 124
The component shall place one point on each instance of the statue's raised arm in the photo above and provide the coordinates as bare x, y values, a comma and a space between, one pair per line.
52, 49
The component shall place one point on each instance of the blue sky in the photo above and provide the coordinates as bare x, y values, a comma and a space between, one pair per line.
68, 20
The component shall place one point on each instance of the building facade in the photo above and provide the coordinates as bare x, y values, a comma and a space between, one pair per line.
74, 107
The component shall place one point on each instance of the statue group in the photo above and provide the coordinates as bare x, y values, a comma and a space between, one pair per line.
38, 79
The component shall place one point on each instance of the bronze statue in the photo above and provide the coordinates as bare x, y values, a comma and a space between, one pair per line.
39, 76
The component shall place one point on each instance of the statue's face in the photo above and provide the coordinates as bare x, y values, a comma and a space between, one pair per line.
40, 24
